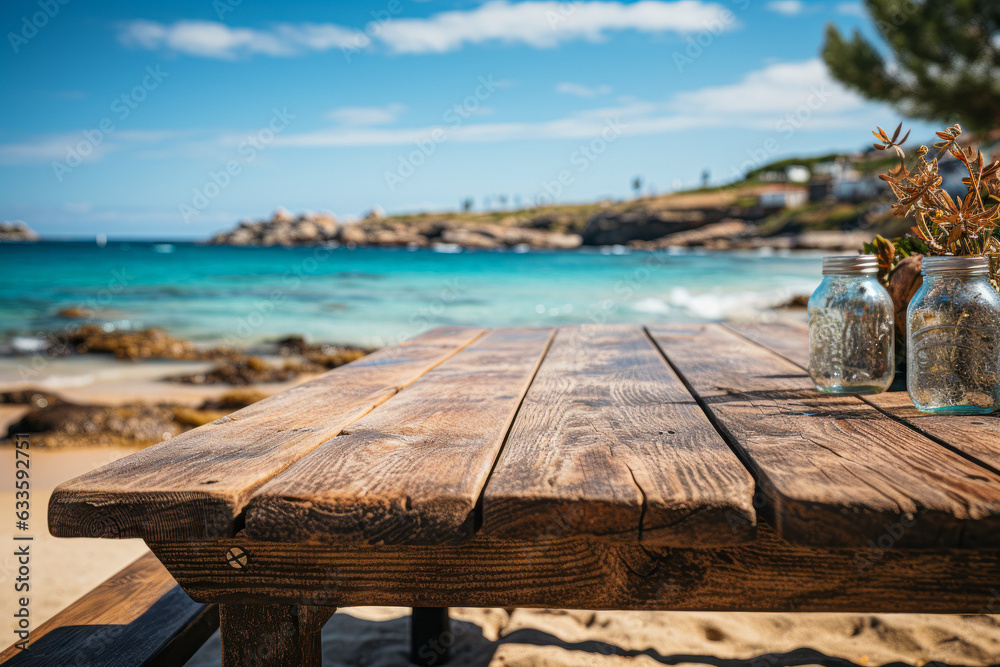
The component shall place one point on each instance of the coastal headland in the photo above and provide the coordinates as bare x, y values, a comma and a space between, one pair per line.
740, 217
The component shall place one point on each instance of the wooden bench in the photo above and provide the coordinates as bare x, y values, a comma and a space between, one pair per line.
591, 467
140, 616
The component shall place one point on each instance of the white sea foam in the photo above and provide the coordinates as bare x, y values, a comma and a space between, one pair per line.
651, 305
28, 345
713, 305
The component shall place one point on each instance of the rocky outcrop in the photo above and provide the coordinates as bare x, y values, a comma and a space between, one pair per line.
655, 218
282, 229
717, 219
717, 233
54, 422
620, 227
62, 424
498, 236
129, 345
829, 240
301, 358
241, 373
16, 232
377, 230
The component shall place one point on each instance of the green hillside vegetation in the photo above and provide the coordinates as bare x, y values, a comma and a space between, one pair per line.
813, 216
781, 165
638, 221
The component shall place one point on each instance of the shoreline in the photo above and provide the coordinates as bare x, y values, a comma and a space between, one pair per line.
804, 242
370, 297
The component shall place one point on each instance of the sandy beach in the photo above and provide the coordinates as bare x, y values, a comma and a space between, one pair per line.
64, 569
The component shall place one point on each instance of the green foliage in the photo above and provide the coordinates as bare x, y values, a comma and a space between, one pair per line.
876, 165
945, 57
781, 165
892, 252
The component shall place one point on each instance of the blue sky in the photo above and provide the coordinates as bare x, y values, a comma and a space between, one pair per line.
175, 120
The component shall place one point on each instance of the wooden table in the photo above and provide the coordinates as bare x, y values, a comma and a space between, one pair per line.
595, 467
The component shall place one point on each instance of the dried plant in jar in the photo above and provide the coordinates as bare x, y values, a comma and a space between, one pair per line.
952, 315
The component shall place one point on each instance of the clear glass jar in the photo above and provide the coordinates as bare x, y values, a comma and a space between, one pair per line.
851, 338
953, 338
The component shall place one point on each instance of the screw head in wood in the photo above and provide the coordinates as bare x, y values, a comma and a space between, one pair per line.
237, 558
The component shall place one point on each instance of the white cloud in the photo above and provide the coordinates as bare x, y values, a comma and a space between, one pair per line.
539, 24
546, 24
802, 95
209, 39
43, 149
580, 90
777, 88
87, 147
359, 116
786, 7
851, 9
802, 91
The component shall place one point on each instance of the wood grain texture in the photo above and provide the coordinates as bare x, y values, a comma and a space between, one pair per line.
195, 485
767, 574
262, 635
833, 470
412, 470
977, 437
139, 616
789, 339
608, 442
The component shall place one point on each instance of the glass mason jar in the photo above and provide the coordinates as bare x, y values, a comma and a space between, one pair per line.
953, 338
851, 338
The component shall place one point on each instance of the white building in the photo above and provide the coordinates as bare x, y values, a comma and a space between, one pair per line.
777, 197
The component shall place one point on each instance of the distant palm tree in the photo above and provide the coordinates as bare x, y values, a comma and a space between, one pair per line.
637, 185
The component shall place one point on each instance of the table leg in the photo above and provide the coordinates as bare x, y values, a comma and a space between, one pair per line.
430, 636
260, 635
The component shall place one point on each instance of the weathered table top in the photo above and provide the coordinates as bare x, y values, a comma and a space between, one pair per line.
669, 436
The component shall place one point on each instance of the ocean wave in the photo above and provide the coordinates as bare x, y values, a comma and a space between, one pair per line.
713, 305
28, 344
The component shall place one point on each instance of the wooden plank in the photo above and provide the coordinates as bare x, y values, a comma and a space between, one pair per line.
834, 470
790, 340
140, 616
262, 635
766, 574
195, 485
609, 443
977, 437
412, 470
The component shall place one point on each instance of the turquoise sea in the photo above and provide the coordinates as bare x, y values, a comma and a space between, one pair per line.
375, 296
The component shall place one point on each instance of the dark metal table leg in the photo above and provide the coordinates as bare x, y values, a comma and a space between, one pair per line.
430, 636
